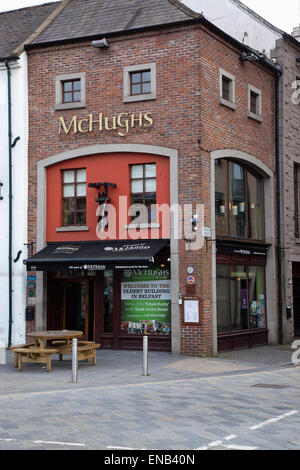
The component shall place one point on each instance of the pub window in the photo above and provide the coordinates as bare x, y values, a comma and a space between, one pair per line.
239, 199
143, 188
227, 89
139, 82
254, 103
70, 91
240, 298
74, 197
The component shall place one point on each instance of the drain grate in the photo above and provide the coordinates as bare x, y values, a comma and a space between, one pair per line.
275, 387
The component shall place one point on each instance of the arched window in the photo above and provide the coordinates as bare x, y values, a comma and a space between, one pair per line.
239, 196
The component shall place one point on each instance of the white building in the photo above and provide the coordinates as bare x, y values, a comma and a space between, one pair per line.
239, 21
15, 28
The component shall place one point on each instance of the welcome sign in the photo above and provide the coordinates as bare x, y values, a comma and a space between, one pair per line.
146, 301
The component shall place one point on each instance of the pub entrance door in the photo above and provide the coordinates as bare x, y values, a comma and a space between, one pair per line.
71, 305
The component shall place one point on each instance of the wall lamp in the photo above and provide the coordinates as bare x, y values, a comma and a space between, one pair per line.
101, 43
298, 61
249, 56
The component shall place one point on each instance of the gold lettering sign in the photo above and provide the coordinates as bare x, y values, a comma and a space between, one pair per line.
122, 123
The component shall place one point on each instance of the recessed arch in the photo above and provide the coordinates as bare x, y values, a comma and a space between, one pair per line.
172, 154
270, 235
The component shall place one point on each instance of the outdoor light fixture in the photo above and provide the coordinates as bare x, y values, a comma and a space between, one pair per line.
298, 61
1, 197
249, 56
101, 43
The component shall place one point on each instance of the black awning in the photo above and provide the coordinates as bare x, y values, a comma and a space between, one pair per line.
95, 256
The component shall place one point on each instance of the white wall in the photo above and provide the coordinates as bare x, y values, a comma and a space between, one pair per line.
232, 19
19, 159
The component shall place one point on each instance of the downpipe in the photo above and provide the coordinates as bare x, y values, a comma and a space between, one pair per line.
10, 198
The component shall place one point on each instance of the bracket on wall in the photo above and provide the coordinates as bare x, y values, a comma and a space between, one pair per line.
1, 185
102, 197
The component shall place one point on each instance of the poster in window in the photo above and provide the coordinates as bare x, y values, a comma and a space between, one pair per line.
146, 301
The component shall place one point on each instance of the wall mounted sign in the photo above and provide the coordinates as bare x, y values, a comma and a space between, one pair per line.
191, 310
190, 269
122, 123
191, 280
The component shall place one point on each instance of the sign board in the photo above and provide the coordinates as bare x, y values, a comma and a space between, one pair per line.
191, 310
146, 301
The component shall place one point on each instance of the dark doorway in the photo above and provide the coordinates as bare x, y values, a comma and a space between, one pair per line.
296, 287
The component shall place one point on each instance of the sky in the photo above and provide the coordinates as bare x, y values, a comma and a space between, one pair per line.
285, 14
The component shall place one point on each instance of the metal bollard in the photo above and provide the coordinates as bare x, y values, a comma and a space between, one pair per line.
74, 360
145, 356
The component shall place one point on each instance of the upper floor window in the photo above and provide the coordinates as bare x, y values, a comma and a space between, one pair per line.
74, 197
70, 91
239, 197
227, 89
254, 103
143, 188
139, 82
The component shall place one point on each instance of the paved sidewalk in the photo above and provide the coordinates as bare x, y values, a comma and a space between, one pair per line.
186, 403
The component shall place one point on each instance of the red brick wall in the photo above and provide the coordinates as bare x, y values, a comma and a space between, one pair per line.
186, 109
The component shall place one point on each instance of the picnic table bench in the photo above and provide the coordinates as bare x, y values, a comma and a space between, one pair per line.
30, 353
37, 352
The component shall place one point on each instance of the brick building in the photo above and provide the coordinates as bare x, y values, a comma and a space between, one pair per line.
165, 108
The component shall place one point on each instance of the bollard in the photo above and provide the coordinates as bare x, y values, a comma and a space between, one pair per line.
145, 356
2, 352
74, 360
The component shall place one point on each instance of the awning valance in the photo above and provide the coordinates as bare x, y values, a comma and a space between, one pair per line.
95, 256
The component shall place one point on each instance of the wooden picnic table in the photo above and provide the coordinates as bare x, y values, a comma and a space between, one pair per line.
40, 337
39, 351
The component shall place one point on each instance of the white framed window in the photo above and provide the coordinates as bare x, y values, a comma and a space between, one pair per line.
70, 91
227, 89
254, 103
139, 83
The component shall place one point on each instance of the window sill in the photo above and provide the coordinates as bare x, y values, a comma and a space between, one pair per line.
228, 104
75, 228
62, 106
141, 226
134, 98
256, 117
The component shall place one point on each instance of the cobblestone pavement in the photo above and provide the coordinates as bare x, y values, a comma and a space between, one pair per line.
223, 403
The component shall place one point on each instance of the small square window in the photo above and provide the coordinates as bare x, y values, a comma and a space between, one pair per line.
139, 83
254, 103
227, 89
70, 91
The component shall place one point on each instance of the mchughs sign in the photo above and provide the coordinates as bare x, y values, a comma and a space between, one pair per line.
122, 122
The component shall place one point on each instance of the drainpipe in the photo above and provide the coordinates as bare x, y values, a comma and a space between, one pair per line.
10, 197
278, 205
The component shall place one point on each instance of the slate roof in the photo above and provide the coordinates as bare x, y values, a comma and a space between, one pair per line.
17, 25
92, 18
